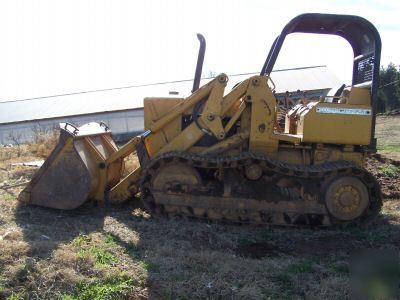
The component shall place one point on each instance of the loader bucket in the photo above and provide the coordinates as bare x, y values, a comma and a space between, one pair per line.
75, 170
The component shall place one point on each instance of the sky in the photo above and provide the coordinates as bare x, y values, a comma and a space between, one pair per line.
54, 47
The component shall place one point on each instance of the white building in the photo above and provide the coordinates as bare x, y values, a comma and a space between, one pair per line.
122, 109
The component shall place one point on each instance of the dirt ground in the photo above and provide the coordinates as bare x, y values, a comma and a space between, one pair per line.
121, 252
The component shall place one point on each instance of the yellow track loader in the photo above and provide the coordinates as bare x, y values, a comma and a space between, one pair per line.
222, 155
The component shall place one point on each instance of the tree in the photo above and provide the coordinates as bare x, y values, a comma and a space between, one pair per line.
389, 88
15, 137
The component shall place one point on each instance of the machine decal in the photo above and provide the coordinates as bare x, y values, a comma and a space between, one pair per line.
343, 111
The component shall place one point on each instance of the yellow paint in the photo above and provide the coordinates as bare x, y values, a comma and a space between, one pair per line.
251, 109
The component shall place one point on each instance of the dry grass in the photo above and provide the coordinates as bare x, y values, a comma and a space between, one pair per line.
122, 252
388, 134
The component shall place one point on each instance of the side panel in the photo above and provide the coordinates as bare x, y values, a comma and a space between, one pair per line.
154, 109
336, 123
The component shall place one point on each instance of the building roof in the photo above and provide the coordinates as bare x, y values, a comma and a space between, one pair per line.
308, 78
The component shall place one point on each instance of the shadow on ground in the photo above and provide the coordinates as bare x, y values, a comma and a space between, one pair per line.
189, 259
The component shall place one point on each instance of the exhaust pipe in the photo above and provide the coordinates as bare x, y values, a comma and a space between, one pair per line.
200, 61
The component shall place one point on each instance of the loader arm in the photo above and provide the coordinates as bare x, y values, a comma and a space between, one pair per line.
215, 108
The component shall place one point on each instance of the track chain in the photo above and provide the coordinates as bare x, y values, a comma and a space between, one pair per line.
322, 173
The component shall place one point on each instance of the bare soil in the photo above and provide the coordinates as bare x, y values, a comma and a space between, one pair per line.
380, 166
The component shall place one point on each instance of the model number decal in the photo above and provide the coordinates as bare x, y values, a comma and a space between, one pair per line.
343, 111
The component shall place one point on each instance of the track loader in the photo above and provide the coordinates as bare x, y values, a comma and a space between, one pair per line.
222, 155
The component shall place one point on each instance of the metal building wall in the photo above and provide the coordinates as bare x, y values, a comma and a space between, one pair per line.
123, 124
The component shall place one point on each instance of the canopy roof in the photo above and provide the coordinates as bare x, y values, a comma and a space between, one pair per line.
360, 33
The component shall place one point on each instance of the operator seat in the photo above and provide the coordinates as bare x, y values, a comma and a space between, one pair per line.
334, 92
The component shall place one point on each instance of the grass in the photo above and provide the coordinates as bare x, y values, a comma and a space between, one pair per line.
101, 257
341, 268
388, 135
9, 197
302, 266
81, 240
288, 278
112, 287
388, 148
110, 239
389, 170
133, 250
100, 250
120, 252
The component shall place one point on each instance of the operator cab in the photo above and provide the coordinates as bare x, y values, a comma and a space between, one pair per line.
346, 115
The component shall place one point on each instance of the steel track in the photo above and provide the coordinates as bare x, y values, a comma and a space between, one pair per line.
318, 175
